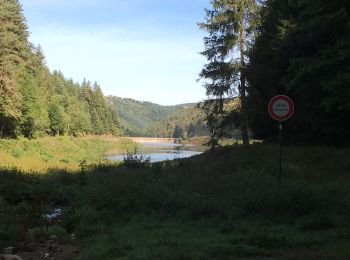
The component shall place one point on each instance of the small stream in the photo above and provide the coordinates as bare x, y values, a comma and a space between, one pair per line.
162, 151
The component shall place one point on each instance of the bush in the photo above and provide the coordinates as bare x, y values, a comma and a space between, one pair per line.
57, 231
134, 161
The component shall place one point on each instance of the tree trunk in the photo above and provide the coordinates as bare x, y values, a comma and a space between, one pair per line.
242, 88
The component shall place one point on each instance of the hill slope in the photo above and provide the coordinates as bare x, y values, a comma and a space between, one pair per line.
141, 118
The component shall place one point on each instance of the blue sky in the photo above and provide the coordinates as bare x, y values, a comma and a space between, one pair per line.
141, 49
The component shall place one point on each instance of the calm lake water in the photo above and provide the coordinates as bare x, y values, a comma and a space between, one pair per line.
161, 151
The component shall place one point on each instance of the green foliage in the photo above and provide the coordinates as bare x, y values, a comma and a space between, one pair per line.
230, 29
34, 119
178, 132
57, 231
302, 50
58, 119
136, 116
59, 152
235, 192
132, 160
188, 120
205, 207
35, 102
14, 52
148, 119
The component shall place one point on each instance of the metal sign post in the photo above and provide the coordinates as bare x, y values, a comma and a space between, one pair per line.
280, 153
280, 108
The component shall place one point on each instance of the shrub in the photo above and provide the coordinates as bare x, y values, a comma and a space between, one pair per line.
134, 161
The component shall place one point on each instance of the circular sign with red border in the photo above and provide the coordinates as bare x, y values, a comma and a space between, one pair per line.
281, 108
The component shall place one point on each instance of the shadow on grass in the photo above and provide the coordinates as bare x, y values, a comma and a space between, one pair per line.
221, 204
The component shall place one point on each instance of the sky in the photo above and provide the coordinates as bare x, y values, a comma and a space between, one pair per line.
142, 49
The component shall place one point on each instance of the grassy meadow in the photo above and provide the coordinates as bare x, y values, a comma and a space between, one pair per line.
223, 204
62, 152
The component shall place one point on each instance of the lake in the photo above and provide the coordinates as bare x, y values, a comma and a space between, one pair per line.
162, 151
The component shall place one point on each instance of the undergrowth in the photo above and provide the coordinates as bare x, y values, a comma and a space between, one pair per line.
222, 204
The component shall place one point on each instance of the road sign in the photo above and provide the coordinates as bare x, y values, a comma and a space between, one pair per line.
281, 108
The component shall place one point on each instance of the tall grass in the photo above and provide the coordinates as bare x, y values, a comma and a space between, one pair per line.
225, 203
220, 204
61, 152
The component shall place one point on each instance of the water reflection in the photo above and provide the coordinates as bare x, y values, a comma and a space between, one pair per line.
161, 151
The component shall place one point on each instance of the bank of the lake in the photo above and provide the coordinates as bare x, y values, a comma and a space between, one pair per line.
161, 149
223, 204
61, 152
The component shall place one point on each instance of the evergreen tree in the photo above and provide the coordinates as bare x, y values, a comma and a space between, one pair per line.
34, 101
100, 110
14, 53
303, 50
230, 25
178, 132
80, 121
30, 120
58, 120
191, 130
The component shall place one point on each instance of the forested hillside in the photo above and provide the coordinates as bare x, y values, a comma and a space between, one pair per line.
188, 121
36, 102
139, 118
135, 116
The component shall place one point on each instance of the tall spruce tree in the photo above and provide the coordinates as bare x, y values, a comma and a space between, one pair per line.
230, 25
14, 54
303, 50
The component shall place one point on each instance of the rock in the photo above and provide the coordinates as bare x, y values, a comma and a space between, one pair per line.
9, 250
10, 257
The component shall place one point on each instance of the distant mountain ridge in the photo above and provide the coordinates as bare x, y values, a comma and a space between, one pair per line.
143, 118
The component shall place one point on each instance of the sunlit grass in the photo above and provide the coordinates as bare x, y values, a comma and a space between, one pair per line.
233, 141
222, 204
61, 152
